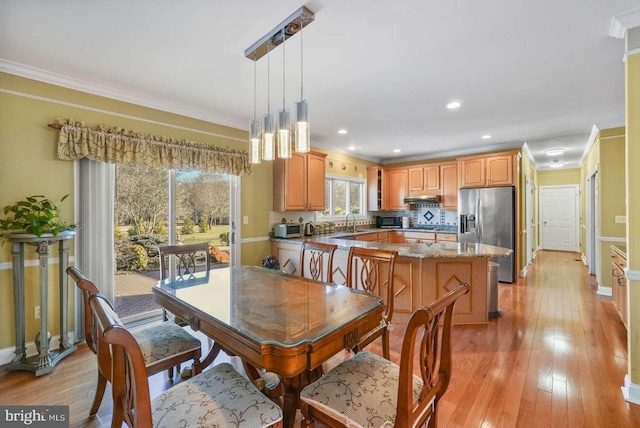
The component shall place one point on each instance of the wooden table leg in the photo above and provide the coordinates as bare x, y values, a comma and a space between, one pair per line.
292, 388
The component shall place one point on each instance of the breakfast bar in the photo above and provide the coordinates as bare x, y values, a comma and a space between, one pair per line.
423, 271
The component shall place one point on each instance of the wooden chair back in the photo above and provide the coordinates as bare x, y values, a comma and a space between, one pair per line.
428, 335
371, 270
88, 289
189, 259
117, 347
316, 261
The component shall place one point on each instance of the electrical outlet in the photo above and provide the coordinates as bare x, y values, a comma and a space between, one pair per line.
245, 219
621, 219
36, 312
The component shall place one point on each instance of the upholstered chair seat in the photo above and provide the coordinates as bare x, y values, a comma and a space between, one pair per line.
218, 397
361, 392
165, 341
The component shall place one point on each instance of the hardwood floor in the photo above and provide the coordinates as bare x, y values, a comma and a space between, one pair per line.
556, 357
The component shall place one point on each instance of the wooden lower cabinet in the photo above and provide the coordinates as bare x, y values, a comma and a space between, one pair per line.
417, 281
619, 285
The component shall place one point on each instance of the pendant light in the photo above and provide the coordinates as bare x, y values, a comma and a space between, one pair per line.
254, 126
303, 142
268, 142
284, 123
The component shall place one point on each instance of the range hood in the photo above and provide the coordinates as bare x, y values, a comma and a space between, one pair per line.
423, 199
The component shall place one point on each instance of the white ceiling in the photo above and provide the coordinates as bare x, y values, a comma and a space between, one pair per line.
541, 72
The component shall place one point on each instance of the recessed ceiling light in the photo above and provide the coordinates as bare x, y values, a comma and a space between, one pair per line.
454, 105
396, 150
486, 136
342, 131
352, 147
554, 152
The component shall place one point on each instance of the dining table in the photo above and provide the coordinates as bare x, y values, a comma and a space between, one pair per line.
273, 321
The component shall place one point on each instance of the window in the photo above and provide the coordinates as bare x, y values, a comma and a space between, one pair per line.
344, 195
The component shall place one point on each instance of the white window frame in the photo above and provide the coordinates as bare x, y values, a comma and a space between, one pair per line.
329, 179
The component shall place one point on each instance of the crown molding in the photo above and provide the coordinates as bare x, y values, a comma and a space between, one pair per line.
454, 153
527, 151
623, 22
144, 100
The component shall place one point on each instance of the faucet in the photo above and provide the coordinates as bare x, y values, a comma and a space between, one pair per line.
346, 225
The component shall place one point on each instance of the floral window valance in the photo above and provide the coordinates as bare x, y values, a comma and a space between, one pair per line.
118, 145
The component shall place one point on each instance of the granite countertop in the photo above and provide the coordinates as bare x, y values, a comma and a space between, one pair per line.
435, 250
620, 249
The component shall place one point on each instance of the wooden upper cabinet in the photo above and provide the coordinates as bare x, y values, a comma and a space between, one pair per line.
499, 170
423, 180
492, 170
377, 188
472, 172
449, 185
398, 181
299, 182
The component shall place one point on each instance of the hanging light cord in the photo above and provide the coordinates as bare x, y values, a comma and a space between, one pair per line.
254, 86
284, 68
268, 77
301, 62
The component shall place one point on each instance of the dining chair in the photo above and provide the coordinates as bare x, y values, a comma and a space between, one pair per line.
218, 397
164, 346
370, 391
188, 259
371, 270
316, 261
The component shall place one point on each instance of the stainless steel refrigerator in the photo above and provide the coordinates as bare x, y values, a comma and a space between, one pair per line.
487, 216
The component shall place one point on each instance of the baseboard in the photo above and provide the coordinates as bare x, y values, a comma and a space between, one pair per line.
630, 391
604, 291
584, 259
7, 354
523, 272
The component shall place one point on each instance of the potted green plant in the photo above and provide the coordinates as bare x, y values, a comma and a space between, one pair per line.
36, 215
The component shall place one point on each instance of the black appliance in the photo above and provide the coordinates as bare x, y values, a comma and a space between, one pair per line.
388, 222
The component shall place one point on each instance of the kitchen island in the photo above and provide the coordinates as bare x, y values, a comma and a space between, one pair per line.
423, 271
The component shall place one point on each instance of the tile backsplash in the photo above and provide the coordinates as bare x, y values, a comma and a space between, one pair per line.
434, 215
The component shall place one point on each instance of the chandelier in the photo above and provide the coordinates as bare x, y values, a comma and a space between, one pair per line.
262, 138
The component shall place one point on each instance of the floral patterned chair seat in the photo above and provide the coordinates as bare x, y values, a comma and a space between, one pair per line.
370, 391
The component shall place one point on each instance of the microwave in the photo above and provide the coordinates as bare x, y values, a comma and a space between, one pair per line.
388, 222
287, 230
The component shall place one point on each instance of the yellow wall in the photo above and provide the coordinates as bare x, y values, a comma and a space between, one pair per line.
558, 178
607, 155
632, 147
30, 166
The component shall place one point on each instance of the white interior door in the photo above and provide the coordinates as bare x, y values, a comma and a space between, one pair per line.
559, 208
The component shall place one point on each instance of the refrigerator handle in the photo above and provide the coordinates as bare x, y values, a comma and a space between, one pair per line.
479, 218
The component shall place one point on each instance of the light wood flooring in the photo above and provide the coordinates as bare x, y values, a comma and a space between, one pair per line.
556, 357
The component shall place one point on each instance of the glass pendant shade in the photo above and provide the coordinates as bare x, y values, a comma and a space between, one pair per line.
268, 138
284, 134
254, 138
303, 143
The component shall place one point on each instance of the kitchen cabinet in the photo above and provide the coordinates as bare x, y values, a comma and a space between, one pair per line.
449, 185
619, 284
377, 188
299, 182
446, 237
373, 237
486, 171
398, 181
423, 180
419, 237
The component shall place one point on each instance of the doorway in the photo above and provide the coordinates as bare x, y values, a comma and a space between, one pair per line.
529, 219
559, 217
593, 231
